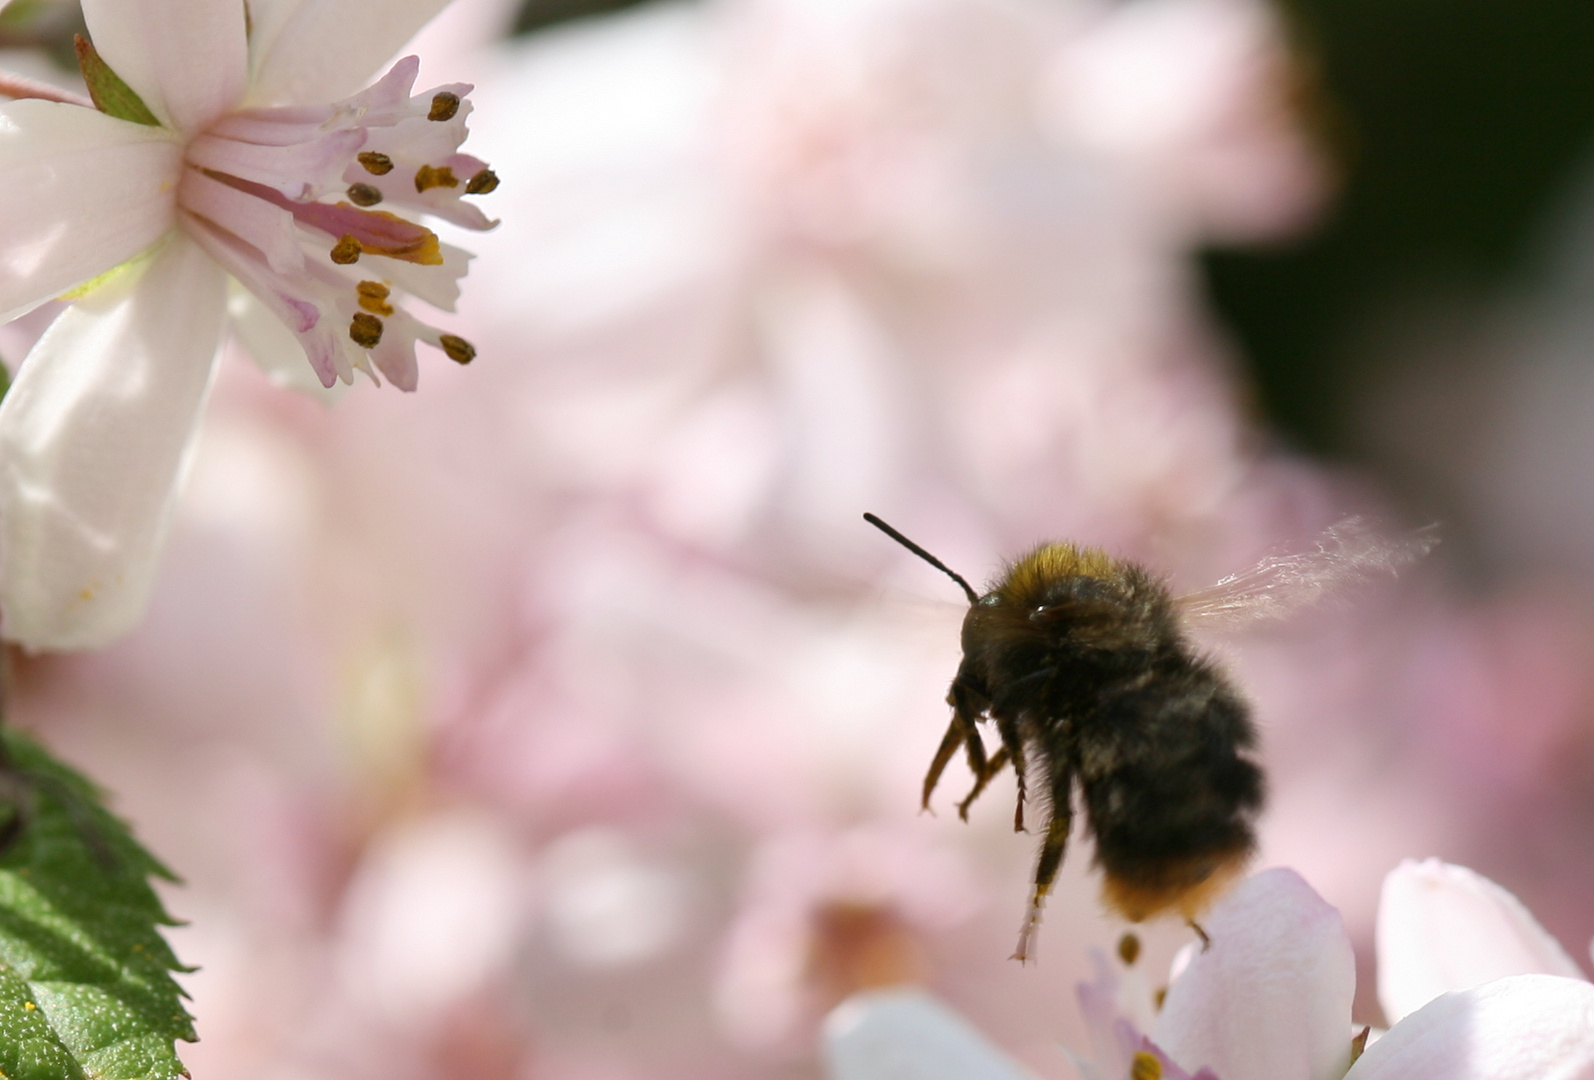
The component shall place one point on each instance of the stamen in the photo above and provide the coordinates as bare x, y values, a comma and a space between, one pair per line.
364, 195
444, 106
371, 232
346, 250
428, 177
365, 330
373, 297
376, 164
482, 183
457, 349
1145, 1066
1129, 949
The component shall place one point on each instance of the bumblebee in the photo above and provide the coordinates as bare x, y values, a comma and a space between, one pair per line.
1081, 663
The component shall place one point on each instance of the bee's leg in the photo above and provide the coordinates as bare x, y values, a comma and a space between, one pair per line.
973, 745
1005, 711
968, 704
1206, 942
1051, 859
995, 765
956, 732
1014, 747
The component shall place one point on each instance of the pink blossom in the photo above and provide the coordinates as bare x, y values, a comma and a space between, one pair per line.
1271, 997
227, 164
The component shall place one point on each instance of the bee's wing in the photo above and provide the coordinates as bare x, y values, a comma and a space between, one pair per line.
1348, 552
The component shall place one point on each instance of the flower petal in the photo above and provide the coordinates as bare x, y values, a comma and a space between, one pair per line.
1526, 1027
304, 52
94, 437
299, 302
188, 59
436, 285
1271, 997
83, 193
908, 1035
1443, 927
273, 347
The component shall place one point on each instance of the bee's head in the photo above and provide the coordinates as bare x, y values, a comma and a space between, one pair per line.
986, 616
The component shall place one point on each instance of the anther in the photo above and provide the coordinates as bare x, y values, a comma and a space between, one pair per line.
482, 183
456, 349
428, 177
1129, 949
376, 164
346, 251
365, 330
444, 106
1145, 1066
364, 195
373, 297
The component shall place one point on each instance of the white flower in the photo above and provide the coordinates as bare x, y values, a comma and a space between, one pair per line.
1479, 990
1444, 927
232, 139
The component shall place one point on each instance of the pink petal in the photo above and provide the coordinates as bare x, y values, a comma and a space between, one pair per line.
437, 285
267, 228
94, 439
1444, 927
1525, 1027
383, 102
1271, 998
83, 193
304, 170
394, 357
293, 300
307, 51
188, 59
274, 348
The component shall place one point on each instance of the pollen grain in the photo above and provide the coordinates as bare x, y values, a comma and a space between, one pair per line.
373, 297
457, 349
429, 177
346, 251
365, 330
444, 106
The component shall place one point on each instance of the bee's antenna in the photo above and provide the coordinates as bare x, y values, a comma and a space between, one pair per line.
974, 597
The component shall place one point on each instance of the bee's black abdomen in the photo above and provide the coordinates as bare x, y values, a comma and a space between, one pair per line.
1170, 795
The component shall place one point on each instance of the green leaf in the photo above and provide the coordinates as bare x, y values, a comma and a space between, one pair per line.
86, 987
110, 94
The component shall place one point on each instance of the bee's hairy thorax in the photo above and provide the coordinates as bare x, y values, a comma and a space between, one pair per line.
1065, 622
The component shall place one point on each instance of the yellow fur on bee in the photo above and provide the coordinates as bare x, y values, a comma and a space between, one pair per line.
1051, 562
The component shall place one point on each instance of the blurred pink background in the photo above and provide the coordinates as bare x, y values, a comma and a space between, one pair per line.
564, 720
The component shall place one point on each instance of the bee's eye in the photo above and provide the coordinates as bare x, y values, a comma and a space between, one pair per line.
1039, 611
